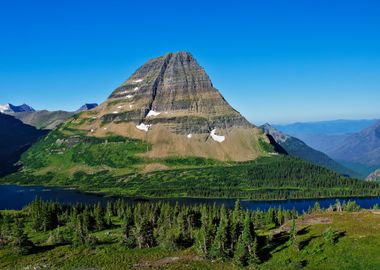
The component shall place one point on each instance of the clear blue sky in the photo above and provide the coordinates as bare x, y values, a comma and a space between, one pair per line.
274, 61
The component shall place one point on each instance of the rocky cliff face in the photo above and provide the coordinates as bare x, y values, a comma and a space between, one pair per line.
175, 91
375, 176
171, 102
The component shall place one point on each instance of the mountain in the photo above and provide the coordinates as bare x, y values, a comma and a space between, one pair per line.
43, 119
299, 149
167, 110
9, 108
170, 102
362, 147
375, 176
87, 106
325, 135
15, 138
167, 131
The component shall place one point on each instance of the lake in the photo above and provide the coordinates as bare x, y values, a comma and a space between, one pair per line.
16, 197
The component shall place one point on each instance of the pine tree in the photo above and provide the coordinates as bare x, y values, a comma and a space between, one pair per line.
21, 242
129, 239
100, 223
220, 248
79, 233
35, 212
292, 234
236, 225
5, 230
246, 247
241, 253
109, 214
144, 234
203, 237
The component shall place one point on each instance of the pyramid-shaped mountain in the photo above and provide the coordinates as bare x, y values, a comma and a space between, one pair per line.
171, 103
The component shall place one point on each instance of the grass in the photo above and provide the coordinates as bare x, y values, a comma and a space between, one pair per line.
116, 165
357, 247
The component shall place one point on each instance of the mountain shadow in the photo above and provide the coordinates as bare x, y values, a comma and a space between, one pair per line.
15, 138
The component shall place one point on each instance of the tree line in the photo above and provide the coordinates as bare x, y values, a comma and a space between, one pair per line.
214, 232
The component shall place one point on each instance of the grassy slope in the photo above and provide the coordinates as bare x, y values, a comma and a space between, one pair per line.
357, 248
116, 165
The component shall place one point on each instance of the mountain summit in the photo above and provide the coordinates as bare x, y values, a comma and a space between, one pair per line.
171, 103
10, 108
176, 84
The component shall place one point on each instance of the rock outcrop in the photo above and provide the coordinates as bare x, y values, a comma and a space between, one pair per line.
375, 176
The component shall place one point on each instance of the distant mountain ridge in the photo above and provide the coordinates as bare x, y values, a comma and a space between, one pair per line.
331, 127
10, 108
362, 147
299, 149
42, 119
87, 106
325, 135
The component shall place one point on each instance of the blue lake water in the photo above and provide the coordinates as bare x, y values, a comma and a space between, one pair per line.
16, 197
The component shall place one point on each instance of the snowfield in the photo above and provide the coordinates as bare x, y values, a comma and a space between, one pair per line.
217, 138
143, 127
152, 113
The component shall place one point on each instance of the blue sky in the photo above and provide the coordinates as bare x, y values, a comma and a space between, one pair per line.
274, 61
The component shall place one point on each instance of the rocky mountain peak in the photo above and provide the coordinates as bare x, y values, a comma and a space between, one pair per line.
87, 106
375, 176
275, 133
171, 103
10, 108
176, 91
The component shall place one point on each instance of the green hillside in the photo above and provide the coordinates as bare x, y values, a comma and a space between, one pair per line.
171, 236
117, 165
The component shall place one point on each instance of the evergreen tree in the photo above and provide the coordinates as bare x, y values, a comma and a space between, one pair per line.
5, 230
80, 233
35, 212
204, 237
129, 239
292, 235
20, 241
236, 225
109, 214
144, 234
100, 223
220, 245
246, 247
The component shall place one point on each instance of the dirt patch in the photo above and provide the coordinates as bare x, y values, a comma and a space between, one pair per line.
314, 220
307, 220
166, 261
155, 167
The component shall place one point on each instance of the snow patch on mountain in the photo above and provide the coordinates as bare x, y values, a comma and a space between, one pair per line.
217, 138
143, 127
152, 113
9, 108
